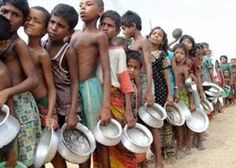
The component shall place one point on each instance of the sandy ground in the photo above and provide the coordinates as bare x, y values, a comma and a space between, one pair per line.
220, 145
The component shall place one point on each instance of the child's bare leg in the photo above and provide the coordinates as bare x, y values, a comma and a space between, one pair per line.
199, 138
58, 161
103, 155
189, 141
11, 155
157, 147
180, 142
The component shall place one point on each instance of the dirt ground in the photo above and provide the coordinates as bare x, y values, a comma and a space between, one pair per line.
220, 145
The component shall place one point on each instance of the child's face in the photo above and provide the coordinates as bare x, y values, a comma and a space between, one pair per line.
13, 14
188, 43
179, 55
58, 28
35, 23
108, 26
89, 10
223, 60
128, 31
133, 68
156, 37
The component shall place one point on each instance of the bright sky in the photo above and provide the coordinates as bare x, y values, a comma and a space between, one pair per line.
211, 21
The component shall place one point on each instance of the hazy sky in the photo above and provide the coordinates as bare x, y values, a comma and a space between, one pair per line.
212, 21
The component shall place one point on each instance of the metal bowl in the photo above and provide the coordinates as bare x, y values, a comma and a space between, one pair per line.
46, 148
206, 84
137, 139
207, 106
184, 109
198, 122
191, 86
9, 126
174, 116
153, 116
76, 145
108, 135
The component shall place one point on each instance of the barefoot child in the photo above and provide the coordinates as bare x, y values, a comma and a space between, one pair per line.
61, 25
7, 153
23, 76
91, 46
163, 139
45, 92
181, 74
121, 88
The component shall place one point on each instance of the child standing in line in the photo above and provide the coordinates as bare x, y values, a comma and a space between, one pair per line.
7, 153
23, 76
91, 46
160, 63
184, 141
45, 92
61, 25
131, 25
121, 88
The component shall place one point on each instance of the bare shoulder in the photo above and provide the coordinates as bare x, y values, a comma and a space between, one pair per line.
43, 53
101, 35
74, 36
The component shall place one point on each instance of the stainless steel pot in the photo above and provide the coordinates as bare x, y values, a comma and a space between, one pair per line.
108, 135
198, 122
84, 142
9, 126
137, 139
184, 109
207, 106
46, 148
174, 116
152, 116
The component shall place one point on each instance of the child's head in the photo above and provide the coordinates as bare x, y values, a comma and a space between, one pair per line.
180, 52
16, 11
205, 46
199, 50
130, 22
223, 59
158, 37
5, 28
37, 21
190, 43
134, 63
120, 41
62, 22
189, 62
110, 23
91, 9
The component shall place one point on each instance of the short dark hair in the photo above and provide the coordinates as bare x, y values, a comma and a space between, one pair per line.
5, 28
22, 5
100, 3
132, 54
130, 19
224, 56
205, 44
46, 13
115, 16
182, 46
68, 13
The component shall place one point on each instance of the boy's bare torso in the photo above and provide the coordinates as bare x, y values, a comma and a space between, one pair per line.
12, 62
85, 45
180, 73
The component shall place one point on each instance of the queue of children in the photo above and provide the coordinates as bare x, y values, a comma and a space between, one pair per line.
92, 74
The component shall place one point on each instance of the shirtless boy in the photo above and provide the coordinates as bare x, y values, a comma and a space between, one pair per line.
91, 46
131, 25
7, 152
45, 92
23, 76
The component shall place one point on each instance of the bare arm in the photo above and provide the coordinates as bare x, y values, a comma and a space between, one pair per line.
102, 40
31, 79
128, 111
146, 54
48, 76
73, 71
167, 79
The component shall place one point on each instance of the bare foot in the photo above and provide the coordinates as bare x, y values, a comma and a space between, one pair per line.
170, 161
180, 154
188, 151
201, 147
